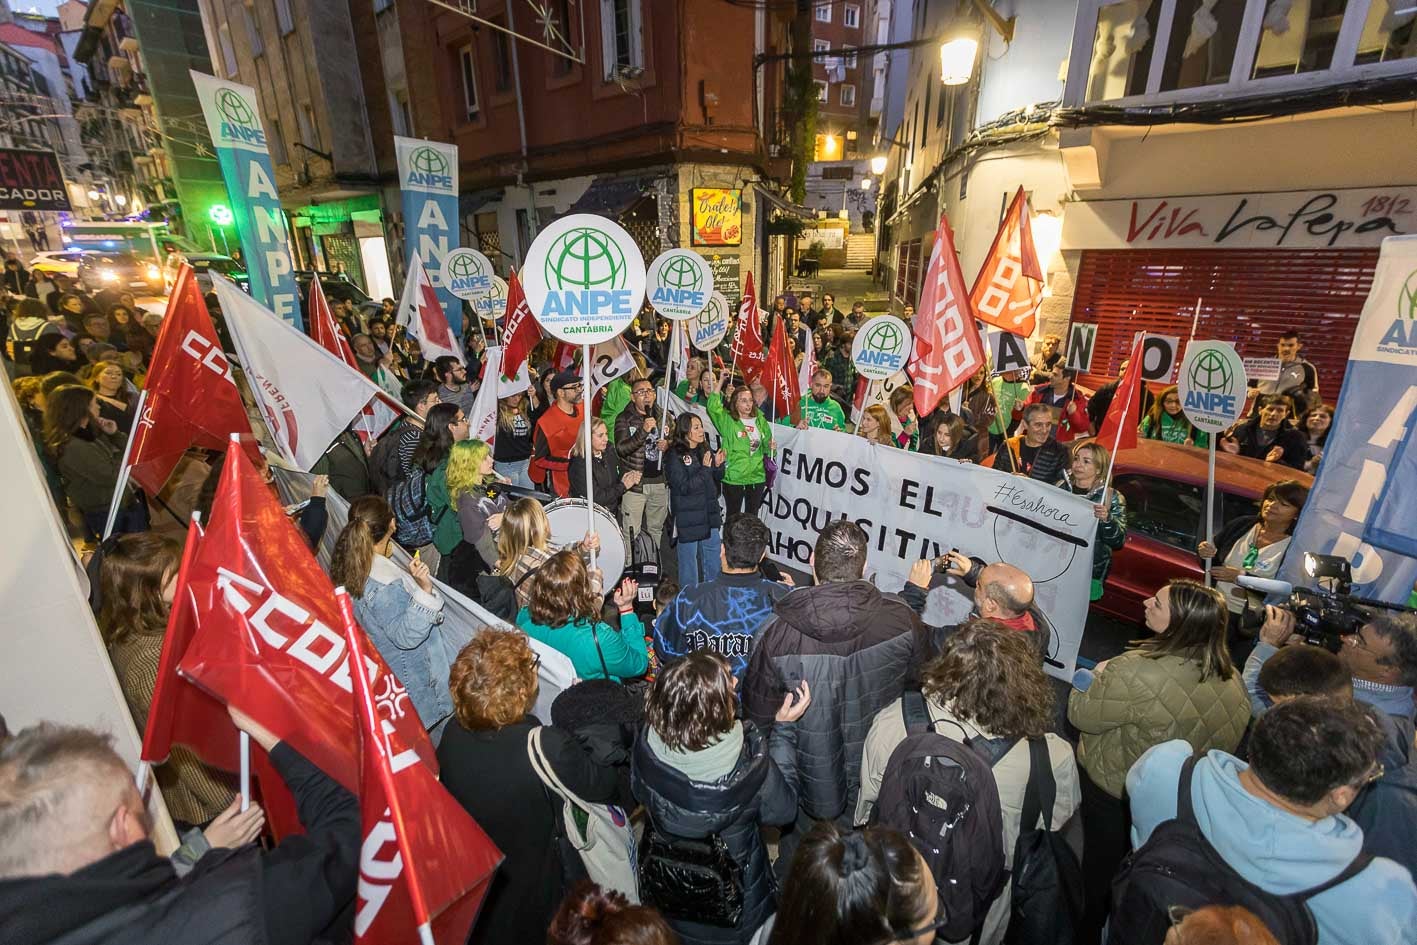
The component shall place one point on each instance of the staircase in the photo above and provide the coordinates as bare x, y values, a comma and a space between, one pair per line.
860, 250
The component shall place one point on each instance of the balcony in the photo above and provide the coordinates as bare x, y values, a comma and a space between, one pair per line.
1134, 53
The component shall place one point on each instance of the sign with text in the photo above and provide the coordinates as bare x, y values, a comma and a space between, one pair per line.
833, 237
881, 348
1158, 358
710, 327
727, 270
234, 121
716, 216
1082, 342
1212, 385
31, 180
468, 274
679, 284
584, 279
1262, 369
1304, 219
1010, 352
428, 178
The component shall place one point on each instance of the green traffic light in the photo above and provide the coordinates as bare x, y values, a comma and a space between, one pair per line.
220, 214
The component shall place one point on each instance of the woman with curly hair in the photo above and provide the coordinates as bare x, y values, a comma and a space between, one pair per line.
486, 766
564, 613
988, 689
593, 915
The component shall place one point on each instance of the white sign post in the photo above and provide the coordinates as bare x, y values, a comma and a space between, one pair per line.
711, 325
680, 284
1212, 390
584, 279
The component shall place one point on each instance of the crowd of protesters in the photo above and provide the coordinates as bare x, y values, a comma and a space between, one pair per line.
800, 759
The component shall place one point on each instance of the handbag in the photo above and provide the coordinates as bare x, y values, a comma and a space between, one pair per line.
693, 880
604, 840
769, 472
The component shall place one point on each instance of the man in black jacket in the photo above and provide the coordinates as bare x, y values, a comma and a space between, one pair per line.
77, 863
854, 646
640, 445
1268, 435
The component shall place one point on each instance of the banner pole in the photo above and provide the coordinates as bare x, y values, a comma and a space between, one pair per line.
589, 453
124, 469
1210, 507
245, 771
1195, 319
668, 370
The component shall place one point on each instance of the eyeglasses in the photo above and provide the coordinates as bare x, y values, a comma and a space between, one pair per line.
1374, 774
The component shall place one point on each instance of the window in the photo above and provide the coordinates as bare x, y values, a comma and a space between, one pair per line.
468, 71
275, 142
253, 34
560, 65
621, 34
851, 16
1168, 511
849, 59
1201, 50
403, 121
823, 95
309, 127
285, 21
940, 108
502, 61
228, 50
1388, 34
1121, 50
824, 13
925, 115
820, 46
1302, 38
848, 94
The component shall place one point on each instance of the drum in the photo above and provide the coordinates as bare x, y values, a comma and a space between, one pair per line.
568, 526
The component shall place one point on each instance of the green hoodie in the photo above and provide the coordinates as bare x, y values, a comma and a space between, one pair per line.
745, 464
617, 398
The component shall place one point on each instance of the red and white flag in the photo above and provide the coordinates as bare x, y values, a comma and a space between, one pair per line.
307, 394
947, 346
267, 637
520, 331
192, 399
482, 422
425, 865
808, 368
749, 355
1119, 431
420, 313
780, 374
1009, 286
380, 412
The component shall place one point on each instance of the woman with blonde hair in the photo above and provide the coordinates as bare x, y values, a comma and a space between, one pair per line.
115, 400
400, 610
524, 545
1087, 476
467, 509
610, 484
564, 614
875, 426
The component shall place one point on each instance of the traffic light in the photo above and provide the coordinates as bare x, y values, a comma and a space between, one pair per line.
220, 214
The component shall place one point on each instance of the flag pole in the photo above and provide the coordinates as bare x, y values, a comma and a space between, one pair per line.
589, 453
245, 771
124, 469
1195, 319
1210, 505
669, 370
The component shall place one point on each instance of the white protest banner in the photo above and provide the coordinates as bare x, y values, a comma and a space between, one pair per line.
881, 348
511, 386
467, 273
880, 395
1262, 369
1010, 352
710, 327
913, 506
679, 284
1082, 342
1158, 358
609, 360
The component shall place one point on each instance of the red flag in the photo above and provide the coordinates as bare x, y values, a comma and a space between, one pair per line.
780, 374
266, 640
520, 332
192, 399
424, 863
1009, 286
1118, 431
180, 712
747, 346
947, 346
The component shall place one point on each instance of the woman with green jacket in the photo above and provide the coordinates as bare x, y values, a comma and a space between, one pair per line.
563, 612
747, 439
1087, 476
1166, 421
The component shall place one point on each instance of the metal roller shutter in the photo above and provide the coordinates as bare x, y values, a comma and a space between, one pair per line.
1247, 297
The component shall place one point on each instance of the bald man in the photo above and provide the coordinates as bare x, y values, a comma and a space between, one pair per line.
1002, 592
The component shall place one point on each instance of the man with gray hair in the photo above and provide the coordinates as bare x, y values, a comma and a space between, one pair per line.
77, 864
1036, 454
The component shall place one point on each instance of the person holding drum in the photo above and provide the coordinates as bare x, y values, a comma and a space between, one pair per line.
694, 472
610, 484
524, 545
564, 613
747, 442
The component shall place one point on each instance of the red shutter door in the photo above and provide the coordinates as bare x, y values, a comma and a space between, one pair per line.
1247, 297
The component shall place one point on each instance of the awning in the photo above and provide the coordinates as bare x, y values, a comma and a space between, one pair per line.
612, 196
784, 205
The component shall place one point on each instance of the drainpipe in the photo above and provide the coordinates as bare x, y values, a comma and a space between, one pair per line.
532, 219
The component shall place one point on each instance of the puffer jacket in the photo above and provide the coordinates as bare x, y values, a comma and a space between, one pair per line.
761, 789
854, 646
1138, 701
693, 493
1111, 534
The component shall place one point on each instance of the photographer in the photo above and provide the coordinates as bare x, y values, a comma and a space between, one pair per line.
1002, 593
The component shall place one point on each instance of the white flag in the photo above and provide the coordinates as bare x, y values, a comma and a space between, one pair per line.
808, 368
609, 360
510, 387
421, 313
307, 395
482, 422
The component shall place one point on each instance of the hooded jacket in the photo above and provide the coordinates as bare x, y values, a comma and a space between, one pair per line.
854, 646
722, 615
1276, 850
1387, 808
760, 789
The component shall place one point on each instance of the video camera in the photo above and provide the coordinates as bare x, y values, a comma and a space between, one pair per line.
1322, 616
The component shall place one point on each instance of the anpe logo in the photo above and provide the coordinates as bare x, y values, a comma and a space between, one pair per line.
680, 284
238, 118
464, 273
585, 272
1212, 383
464, 267
881, 348
1401, 336
429, 168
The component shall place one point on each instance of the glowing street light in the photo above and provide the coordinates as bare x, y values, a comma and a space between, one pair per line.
878, 165
957, 60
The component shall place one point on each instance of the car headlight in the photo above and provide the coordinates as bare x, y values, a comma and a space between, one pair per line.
108, 275
154, 272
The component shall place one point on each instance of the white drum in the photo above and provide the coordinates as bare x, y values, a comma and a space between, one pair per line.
568, 526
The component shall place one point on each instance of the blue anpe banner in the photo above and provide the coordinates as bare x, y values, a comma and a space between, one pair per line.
234, 121
1364, 494
428, 176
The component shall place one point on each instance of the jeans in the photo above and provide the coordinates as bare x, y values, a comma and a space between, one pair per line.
647, 509
698, 560
517, 472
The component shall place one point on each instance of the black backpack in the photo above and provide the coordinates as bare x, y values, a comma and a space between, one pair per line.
384, 466
644, 568
1178, 866
689, 879
414, 516
1047, 901
25, 342
941, 794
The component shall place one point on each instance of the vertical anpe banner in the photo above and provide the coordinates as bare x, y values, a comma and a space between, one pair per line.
1351, 512
234, 121
428, 175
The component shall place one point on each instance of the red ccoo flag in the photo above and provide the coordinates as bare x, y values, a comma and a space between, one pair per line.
520, 332
747, 346
1118, 432
947, 346
1009, 286
425, 865
192, 399
780, 374
266, 639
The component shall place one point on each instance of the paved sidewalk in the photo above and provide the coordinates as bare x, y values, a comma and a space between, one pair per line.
849, 285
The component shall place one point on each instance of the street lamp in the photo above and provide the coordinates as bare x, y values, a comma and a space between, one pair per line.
958, 51
878, 165
866, 182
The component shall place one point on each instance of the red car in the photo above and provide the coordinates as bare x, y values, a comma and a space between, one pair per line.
1164, 485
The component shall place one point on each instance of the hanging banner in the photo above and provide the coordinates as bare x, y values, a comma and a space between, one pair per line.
428, 175
1350, 512
234, 121
914, 506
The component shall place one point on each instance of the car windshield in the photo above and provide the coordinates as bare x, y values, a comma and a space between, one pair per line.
226, 267
112, 259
